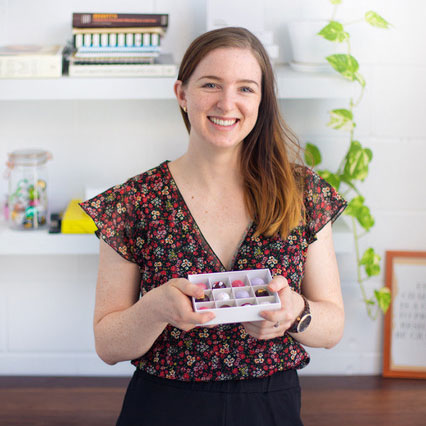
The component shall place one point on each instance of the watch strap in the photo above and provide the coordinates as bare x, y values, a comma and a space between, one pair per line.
303, 316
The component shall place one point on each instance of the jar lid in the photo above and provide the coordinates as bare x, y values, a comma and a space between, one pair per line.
28, 157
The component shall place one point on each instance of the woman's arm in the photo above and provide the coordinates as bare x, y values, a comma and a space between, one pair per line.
125, 325
321, 286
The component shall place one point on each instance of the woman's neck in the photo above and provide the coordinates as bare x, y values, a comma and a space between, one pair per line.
214, 171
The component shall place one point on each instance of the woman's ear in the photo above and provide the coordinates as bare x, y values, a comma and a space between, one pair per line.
180, 93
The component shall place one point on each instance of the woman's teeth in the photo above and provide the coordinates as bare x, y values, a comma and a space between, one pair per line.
223, 122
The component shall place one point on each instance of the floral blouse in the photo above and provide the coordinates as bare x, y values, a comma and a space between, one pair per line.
147, 221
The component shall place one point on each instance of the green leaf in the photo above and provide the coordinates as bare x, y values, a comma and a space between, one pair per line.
360, 79
332, 178
357, 160
371, 262
344, 64
369, 152
341, 119
360, 212
348, 182
312, 155
375, 20
384, 298
334, 31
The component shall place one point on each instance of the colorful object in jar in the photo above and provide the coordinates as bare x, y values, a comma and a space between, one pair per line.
28, 204
237, 283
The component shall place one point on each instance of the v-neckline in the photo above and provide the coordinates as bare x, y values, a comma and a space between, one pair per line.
203, 239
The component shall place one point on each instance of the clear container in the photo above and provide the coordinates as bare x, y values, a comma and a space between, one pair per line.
28, 184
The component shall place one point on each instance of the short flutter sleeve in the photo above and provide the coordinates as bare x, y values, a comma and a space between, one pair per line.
322, 203
114, 215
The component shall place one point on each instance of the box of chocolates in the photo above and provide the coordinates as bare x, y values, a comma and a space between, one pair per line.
235, 296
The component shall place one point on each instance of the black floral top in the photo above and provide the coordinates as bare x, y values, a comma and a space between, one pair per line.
147, 221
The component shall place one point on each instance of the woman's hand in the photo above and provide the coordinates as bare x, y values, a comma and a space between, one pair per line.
174, 306
278, 321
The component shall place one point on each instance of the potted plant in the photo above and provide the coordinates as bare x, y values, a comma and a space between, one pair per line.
354, 166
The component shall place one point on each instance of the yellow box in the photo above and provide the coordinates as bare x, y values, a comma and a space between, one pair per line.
76, 221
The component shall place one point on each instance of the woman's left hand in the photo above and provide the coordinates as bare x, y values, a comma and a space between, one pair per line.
278, 321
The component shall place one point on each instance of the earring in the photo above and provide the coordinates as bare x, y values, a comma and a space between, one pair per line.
185, 110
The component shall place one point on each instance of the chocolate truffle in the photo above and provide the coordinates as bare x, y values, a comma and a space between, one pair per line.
257, 281
222, 296
242, 294
202, 285
247, 304
203, 298
261, 292
237, 283
225, 306
219, 284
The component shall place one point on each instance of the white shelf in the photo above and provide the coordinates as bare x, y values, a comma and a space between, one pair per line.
34, 242
291, 85
40, 242
307, 85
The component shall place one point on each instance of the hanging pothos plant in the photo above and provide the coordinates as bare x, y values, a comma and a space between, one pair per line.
353, 167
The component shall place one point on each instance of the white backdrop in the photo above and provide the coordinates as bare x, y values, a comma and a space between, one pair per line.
46, 302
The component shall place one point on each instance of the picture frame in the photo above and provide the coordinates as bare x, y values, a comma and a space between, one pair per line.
404, 352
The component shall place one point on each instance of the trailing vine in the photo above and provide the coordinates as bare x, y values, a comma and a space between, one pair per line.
354, 166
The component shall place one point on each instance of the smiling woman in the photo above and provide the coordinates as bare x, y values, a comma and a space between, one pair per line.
222, 103
235, 200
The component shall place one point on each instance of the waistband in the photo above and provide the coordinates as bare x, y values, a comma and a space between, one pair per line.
276, 382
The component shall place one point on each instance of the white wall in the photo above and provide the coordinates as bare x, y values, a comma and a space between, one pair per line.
46, 302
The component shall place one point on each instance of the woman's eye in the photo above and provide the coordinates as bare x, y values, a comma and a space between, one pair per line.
210, 85
247, 89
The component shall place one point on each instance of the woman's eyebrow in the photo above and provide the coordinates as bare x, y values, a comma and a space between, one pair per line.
213, 77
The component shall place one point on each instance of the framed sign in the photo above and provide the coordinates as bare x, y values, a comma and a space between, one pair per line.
404, 352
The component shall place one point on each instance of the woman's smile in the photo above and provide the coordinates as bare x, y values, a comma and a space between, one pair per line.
226, 123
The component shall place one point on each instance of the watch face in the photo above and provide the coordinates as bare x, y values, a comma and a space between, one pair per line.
304, 323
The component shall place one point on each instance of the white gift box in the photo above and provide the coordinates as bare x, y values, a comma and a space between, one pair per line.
239, 298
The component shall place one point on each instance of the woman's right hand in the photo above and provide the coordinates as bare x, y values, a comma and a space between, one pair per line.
174, 306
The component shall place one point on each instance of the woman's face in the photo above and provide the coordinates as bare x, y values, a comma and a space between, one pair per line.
222, 97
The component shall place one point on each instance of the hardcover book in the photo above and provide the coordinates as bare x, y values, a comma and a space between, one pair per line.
96, 20
162, 66
31, 61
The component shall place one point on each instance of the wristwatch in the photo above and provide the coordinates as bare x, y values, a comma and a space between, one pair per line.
303, 320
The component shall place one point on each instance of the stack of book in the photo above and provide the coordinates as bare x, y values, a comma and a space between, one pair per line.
119, 45
31, 61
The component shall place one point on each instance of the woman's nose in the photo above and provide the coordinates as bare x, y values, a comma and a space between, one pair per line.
226, 101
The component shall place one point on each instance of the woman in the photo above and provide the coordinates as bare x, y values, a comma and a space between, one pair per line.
233, 201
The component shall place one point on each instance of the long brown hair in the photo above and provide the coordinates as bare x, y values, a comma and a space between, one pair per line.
273, 184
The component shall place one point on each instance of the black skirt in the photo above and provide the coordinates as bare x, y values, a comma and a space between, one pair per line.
270, 401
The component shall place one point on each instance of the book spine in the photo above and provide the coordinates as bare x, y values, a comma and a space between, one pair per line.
156, 30
94, 20
121, 39
31, 67
124, 49
122, 70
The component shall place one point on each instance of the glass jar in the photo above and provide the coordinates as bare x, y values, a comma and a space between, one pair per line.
28, 182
